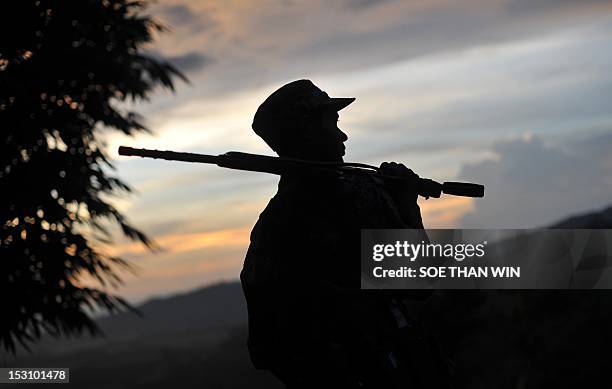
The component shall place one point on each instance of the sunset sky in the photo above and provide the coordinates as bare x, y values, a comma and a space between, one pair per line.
516, 95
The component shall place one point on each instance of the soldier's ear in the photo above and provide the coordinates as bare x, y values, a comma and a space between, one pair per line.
302, 115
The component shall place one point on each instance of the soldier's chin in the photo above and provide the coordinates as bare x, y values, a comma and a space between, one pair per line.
337, 157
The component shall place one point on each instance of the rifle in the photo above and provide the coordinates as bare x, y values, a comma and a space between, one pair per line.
277, 165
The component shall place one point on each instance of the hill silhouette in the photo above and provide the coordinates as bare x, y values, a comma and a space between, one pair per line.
195, 339
597, 219
221, 305
198, 339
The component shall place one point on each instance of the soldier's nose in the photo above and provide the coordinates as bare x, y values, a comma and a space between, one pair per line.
343, 136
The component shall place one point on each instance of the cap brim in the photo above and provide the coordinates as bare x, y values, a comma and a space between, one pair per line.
339, 103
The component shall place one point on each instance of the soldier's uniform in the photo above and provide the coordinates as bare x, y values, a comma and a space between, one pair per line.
309, 322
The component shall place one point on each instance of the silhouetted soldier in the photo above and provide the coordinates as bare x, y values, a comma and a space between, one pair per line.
309, 322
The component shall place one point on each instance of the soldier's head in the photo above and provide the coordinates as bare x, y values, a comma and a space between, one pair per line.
299, 120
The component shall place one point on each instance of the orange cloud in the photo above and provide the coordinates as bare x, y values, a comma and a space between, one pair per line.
190, 241
445, 212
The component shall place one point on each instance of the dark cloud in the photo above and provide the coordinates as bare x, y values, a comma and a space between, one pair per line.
532, 184
189, 62
424, 31
184, 21
339, 44
520, 7
364, 4
178, 14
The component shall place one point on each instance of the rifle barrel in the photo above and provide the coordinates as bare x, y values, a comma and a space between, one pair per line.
168, 155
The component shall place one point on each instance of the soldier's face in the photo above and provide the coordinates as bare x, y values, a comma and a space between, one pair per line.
325, 138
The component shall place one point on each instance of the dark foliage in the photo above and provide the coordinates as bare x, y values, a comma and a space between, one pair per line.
65, 67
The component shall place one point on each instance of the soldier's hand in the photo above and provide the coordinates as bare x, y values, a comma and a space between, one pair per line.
404, 188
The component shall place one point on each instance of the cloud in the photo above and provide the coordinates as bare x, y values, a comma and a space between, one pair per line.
444, 212
522, 7
189, 62
171, 272
178, 14
364, 4
186, 242
258, 43
532, 183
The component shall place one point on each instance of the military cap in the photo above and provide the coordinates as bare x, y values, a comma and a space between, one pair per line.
293, 101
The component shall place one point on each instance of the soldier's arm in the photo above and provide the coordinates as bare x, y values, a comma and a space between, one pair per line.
403, 192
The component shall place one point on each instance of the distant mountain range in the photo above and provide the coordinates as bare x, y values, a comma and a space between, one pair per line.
198, 339
598, 219
217, 306
192, 340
